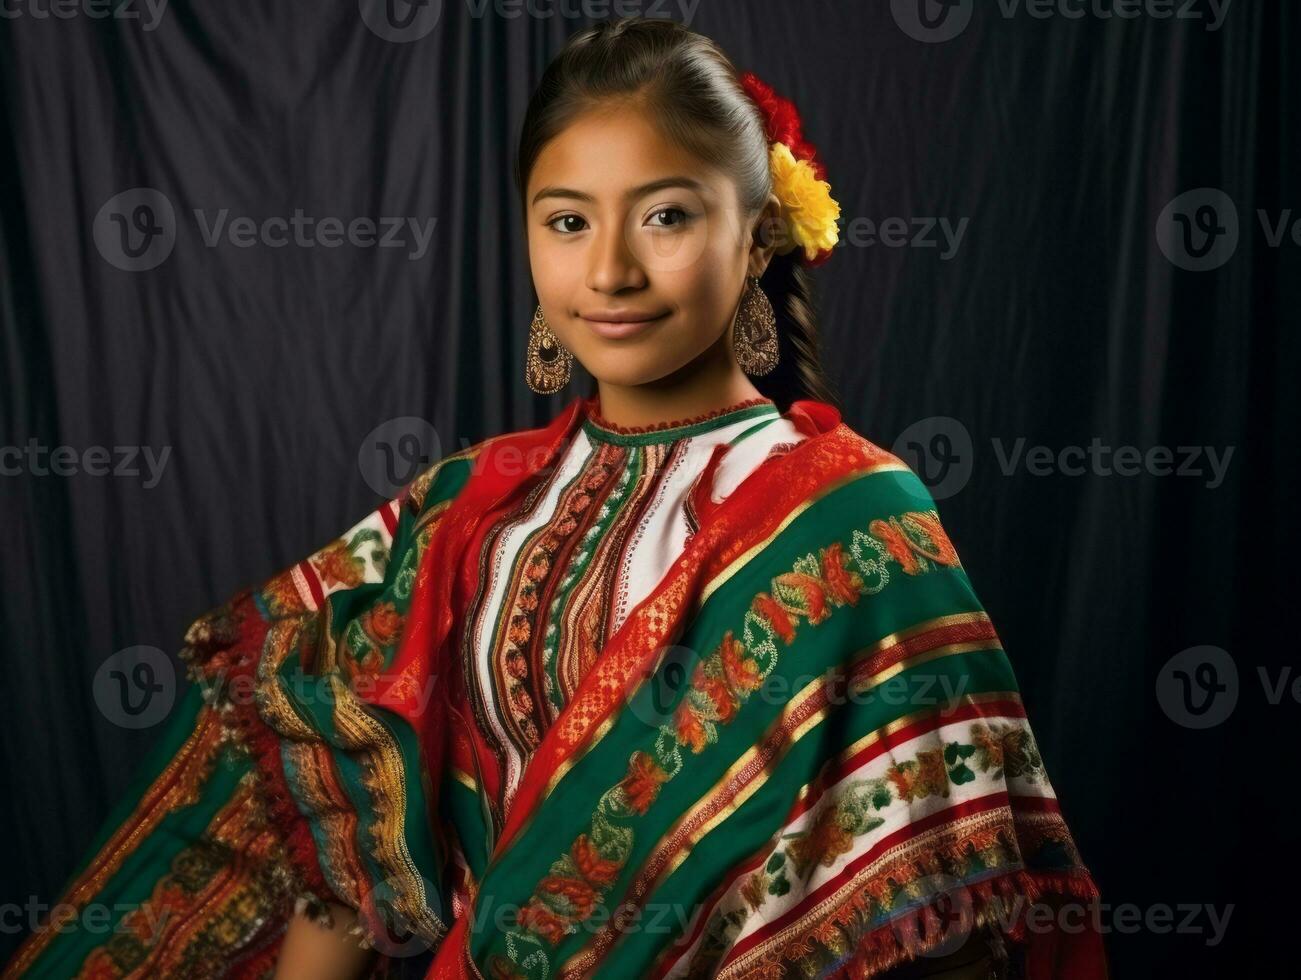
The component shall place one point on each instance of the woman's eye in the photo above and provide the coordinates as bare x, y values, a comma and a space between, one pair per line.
674, 216
566, 229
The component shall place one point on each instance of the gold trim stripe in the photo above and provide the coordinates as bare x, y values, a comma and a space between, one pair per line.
747, 556
586, 958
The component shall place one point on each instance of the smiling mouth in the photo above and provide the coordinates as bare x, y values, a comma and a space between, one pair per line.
620, 316
621, 324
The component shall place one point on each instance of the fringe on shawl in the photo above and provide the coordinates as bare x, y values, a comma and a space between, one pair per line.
923, 930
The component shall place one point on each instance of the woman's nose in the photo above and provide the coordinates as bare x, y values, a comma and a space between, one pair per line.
612, 262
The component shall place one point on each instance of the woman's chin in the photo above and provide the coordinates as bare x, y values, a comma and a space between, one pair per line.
626, 370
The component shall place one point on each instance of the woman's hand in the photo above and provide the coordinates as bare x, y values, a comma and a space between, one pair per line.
317, 952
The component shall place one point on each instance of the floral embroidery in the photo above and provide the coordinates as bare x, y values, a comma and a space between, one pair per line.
721, 683
853, 810
642, 784
341, 564
370, 639
383, 623
1007, 746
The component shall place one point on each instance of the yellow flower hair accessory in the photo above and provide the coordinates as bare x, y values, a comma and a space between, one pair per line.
798, 176
810, 211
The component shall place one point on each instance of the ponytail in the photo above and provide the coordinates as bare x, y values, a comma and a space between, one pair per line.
798, 373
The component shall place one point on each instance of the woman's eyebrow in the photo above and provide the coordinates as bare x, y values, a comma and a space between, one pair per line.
569, 193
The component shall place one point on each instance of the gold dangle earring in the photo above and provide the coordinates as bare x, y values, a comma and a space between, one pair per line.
548, 365
754, 333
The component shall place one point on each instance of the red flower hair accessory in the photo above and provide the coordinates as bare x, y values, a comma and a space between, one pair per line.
799, 177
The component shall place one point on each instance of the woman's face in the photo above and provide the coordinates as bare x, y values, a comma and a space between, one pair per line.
639, 249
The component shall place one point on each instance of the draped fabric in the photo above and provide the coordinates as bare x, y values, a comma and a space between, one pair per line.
554, 574
799, 748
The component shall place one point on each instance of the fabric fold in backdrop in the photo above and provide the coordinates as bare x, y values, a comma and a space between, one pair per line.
797, 752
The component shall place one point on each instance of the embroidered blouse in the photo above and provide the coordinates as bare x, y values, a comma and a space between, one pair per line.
558, 574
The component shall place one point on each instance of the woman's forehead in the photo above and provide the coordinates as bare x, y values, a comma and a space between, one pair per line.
616, 154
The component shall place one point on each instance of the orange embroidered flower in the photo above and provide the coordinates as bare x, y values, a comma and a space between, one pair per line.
811, 591
929, 522
642, 784
370, 664
989, 746
537, 567
337, 565
519, 630
99, 967
904, 776
825, 841
536, 917
933, 777
892, 536
780, 620
593, 867
384, 623
281, 596
843, 585
720, 696
578, 894
742, 672
688, 727
752, 891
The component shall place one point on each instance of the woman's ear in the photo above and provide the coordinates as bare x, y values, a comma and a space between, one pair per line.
767, 234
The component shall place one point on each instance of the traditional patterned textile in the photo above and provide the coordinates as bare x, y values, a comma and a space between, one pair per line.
710, 699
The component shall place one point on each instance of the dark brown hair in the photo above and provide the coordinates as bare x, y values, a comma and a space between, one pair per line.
693, 91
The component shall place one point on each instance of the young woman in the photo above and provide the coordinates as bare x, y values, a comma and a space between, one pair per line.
689, 682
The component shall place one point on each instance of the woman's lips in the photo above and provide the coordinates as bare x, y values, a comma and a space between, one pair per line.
616, 326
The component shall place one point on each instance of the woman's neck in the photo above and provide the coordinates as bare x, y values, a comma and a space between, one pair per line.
705, 385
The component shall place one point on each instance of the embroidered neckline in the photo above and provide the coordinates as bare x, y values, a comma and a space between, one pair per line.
602, 429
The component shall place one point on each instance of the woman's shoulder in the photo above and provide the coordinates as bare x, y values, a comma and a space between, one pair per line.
853, 464
505, 456
443, 478
852, 489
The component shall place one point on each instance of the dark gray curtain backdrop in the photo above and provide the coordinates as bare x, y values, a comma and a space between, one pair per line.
1070, 312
